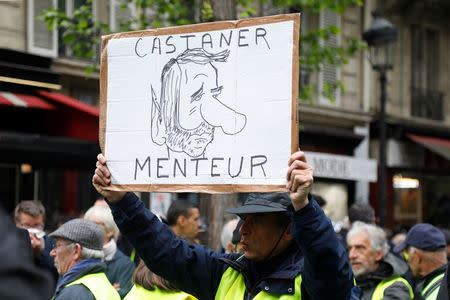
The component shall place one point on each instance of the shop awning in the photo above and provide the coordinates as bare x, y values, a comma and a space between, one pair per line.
71, 102
440, 146
25, 101
47, 151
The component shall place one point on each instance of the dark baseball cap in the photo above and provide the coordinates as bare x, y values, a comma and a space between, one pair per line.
423, 236
263, 203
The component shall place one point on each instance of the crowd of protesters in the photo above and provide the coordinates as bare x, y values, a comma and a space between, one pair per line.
280, 246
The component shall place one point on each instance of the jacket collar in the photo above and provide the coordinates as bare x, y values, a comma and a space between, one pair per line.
275, 275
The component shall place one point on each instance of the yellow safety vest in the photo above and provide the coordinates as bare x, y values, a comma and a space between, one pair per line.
431, 291
384, 284
232, 287
137, 292
99, 286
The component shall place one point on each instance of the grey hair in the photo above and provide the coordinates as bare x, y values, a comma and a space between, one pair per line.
227, 232
86, 252
377, 236
104, 215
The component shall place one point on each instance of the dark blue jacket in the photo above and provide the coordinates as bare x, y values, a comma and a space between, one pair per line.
197, 270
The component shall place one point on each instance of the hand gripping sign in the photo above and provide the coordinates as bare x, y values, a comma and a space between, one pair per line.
201, 108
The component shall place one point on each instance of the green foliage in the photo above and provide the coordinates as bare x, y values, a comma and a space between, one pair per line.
207, 11
81, 34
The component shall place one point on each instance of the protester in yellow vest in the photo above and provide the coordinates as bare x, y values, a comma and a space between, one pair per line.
290, 248
148, 285
78, 253
378, 272
425, 250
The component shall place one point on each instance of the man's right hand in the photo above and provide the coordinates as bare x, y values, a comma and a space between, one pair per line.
102, 179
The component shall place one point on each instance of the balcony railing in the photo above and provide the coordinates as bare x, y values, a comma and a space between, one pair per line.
427, 104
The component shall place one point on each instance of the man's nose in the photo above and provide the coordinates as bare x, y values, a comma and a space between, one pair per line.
352, 253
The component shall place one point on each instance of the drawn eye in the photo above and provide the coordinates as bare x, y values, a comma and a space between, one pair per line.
217, 91
197, 95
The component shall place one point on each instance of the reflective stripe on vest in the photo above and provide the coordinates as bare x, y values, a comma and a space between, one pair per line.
99, 286
431, 291
384, 284
232, 287
137, 292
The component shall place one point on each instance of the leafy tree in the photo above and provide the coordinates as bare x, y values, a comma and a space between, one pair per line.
80, 33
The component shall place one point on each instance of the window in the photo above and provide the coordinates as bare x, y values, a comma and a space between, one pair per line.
40, 40
426, 99
120, 12
329, 74
44, 42
69, 6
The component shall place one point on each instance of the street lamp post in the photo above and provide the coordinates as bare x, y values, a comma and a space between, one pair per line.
381, 37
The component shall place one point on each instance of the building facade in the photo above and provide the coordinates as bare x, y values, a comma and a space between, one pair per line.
49, 141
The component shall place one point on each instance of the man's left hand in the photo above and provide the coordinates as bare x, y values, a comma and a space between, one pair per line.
300, 179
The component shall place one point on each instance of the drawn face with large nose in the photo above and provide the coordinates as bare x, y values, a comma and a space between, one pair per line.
189, 109
199, 100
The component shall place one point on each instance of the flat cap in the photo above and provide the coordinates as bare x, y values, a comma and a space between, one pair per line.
84, 232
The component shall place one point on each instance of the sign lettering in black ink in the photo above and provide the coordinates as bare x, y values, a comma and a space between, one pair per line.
207, 39
252, 166
213, 166
136, 49
262, 160
183, 172
141, 167
223, 37
160, 167
196, 163
242, 38
240, 167
261, 32
187, 39
170, 45
156, 45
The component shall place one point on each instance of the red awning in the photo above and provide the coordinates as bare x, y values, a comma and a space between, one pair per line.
439, 145
23, 100
72, 102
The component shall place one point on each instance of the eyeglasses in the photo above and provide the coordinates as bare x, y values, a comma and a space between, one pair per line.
28, 226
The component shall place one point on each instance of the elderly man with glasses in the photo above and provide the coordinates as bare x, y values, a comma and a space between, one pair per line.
78, 254
30, 215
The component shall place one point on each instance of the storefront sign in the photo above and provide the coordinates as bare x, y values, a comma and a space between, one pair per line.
342, 167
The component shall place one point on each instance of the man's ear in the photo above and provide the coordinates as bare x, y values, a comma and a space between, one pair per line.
158, 129
181, 220
379, 255
77, 249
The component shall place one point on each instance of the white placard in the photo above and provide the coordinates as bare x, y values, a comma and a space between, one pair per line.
201, 107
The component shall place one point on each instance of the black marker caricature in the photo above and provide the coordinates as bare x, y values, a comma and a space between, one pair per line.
189, 108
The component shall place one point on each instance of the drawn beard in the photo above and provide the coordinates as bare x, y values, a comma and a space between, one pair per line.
193, 142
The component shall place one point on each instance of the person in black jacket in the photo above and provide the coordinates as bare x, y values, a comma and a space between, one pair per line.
290, 248
30, 215
19, 277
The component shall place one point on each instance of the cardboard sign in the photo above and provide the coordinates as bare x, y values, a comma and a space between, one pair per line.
201, 108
